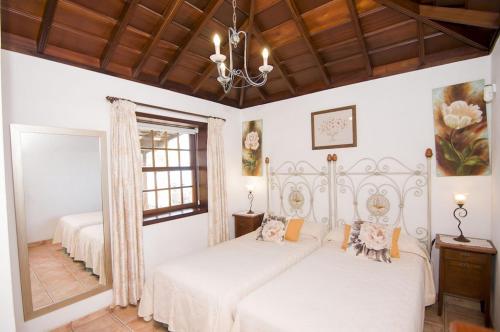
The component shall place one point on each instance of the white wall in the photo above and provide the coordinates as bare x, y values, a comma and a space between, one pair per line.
394, 118
61, 176
41, 92
495, 154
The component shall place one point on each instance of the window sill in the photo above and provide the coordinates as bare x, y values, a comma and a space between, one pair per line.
167, 216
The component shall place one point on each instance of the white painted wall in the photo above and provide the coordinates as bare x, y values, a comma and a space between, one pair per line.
41, 92
8, 322
495, 154
61, 176
394, 118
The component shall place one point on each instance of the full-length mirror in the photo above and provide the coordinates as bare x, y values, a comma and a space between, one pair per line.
61, 198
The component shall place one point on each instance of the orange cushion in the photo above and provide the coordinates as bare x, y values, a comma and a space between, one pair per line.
293, 229
347, 232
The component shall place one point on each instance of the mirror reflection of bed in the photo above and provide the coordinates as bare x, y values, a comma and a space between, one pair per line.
63, 211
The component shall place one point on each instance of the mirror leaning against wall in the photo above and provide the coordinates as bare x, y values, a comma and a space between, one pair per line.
61, 203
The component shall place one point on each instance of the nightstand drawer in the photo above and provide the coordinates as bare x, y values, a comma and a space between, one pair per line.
466, 256
464, 278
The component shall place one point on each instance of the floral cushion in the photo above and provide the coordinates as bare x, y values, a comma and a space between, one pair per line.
272, 229
370, 240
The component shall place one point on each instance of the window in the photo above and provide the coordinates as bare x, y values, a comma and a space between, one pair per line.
171, 160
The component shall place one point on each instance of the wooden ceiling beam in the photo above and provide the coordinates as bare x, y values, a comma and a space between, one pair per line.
412, 10
307, 38
275, 61
359, 33
242, 95
168, 16
421, 43
477, 18
210, 11
125, 16
48, 17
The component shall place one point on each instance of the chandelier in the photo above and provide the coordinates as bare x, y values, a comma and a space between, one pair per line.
227, 79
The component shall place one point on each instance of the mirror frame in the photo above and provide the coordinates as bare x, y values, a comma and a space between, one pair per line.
16, 131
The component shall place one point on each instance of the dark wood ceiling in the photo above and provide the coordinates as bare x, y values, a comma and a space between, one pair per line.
315, 44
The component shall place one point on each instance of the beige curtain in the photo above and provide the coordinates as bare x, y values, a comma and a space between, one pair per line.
218, 228
126, 227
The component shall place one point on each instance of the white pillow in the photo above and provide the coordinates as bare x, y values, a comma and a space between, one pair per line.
336, 236
314, 229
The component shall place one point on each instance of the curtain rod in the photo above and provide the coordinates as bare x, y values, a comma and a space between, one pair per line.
113, 99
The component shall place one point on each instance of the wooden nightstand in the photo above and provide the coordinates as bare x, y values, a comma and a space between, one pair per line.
465, 269
245, 223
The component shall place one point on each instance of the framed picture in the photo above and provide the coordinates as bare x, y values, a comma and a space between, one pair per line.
461, 130
251, 142
335, 128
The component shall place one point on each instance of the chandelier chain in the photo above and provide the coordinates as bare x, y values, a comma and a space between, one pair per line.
234, 14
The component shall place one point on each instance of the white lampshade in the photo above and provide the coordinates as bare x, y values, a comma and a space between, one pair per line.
460, 198
250, 187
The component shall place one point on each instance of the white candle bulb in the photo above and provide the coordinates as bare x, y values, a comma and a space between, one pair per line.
460, 198
223, 69
250, 187
265, 55
217, 43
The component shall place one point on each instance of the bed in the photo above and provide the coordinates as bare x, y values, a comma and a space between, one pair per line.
199, 292
89, 248
332, 290
68, 227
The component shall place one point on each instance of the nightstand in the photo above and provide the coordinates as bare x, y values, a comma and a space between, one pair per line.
245, 223
465, 269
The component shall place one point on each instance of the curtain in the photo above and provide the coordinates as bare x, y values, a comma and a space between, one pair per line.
218, 227
126, 194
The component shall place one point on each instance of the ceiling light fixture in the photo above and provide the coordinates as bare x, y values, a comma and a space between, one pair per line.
227, 80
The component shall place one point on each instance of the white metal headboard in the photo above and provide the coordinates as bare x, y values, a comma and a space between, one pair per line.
380, 191
298, 189
367, 190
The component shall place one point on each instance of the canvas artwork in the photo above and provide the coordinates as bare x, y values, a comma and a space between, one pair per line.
252, 148
335, 128
461, 130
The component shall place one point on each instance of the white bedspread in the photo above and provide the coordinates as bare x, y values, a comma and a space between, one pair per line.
200, 292
89, 248
68, 227
333, 291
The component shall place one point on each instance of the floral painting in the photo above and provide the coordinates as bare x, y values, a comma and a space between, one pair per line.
335, 128
461, 130
252, 148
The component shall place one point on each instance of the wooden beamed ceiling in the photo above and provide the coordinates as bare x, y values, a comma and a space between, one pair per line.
314, 44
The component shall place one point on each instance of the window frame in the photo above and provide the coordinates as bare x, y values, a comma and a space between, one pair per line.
198, 159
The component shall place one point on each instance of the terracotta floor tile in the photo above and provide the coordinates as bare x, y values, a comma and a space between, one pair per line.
64, 328
125, 315
431, 315
140, 325
90, 317
431, 327
105, 323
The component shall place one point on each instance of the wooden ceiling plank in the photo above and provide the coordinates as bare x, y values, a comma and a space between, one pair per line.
421, 43
211, 67
48, 17
307, 38
359, 33
125, 16
477, 18
168, 17
275, 61
412, 10
210, 11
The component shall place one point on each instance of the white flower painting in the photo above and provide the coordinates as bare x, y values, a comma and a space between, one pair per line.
252, 148
334, 128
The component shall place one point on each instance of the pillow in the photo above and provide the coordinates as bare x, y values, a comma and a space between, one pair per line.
336, 236
314, 229
272, 229
374, 241
293, 229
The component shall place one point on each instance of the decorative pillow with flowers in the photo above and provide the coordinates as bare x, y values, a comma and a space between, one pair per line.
371, 240
272, 229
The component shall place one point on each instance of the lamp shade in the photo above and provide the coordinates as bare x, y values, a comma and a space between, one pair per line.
460, 198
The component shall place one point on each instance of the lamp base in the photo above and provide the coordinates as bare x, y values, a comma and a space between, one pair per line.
250, 212
461, 238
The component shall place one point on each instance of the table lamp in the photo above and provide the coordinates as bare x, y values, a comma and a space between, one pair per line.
460, 212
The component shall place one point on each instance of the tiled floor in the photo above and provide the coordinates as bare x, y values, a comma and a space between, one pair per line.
55, 276
125, 319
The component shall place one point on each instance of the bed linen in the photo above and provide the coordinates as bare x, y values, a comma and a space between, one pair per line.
68, 226
332, 291
199, 292
89, 248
